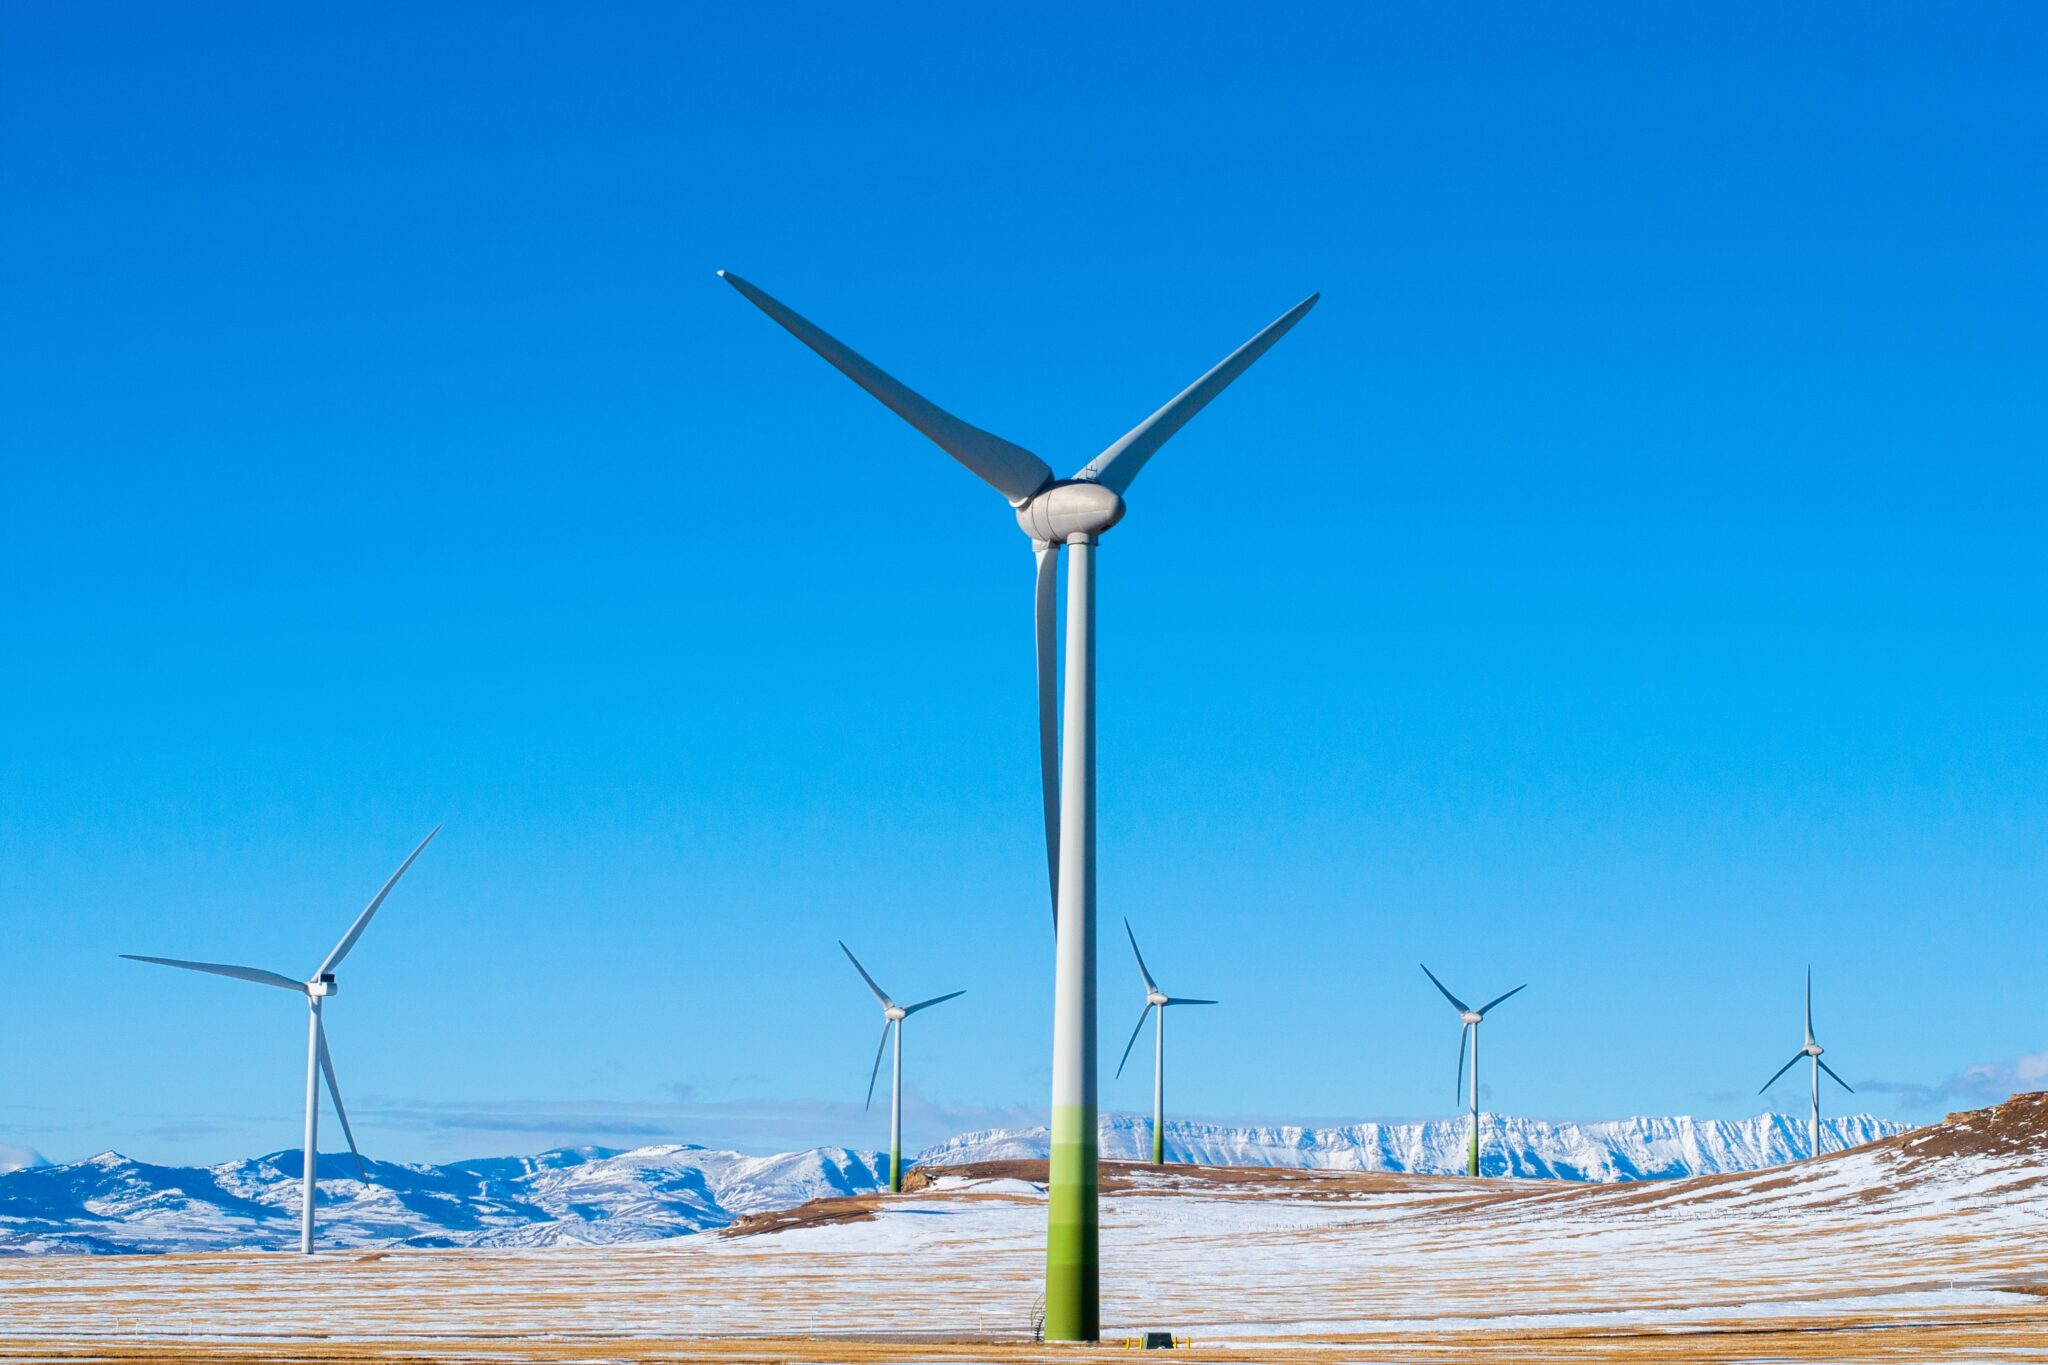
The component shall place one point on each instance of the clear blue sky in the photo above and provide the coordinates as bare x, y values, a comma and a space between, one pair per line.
1630, 579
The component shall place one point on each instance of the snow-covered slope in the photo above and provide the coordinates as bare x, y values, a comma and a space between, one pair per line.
110, 1203
1624, 1149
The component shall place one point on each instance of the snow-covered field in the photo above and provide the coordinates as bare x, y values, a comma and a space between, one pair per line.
111, 1203
1921, 1247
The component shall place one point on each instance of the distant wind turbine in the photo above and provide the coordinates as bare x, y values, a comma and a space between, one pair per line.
317, 988
893, 1016
1155, 999
1812, 1049
1472, 1019
1070, 515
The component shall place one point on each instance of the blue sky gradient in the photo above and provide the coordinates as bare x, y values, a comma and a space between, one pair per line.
1629, 580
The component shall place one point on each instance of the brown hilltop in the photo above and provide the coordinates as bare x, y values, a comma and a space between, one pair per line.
2018, 1127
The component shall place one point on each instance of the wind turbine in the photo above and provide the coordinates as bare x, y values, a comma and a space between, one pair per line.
316, 988
1812, 1049
1155, 999
893, 1016
1472, 1019
1072, 514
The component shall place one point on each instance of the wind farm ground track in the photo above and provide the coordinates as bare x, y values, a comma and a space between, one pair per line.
1924, 1247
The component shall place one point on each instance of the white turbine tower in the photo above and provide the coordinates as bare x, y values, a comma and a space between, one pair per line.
316, 988
1155, 999
893, 1016
1472, 1019
1812, 1050
1072, 514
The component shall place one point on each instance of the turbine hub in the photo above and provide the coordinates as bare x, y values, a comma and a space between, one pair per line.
1472, 1016
323, 986
894, 1012
1072, 510
1155, 998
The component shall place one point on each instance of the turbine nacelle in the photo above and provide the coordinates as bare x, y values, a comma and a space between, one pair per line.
323, 985
1156, 998
1472, 1016
894, 1012
1069, 511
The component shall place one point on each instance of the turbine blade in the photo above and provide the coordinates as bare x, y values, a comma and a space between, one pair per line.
1117, 466
1838, 1080
1009, 469
334, 1090
927, 1004
1498, 998
1045, 628
1184, 1000
880, 1047
1809, 1005
355, 931
1456, 1003
1134, 1037
256, 974
1150, 989
1782, 1070
880, 994
1463, 1034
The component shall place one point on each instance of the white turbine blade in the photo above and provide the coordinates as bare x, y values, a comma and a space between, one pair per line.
1009, 469
909, 1010
1456, 1003
880, 994
1117, 466
334, 1091
1045, 612
355, 931
1184, 1000
1150, 989
1782, 1070
1463, 1034
880, 1047
1134, 1037
1498, 998
1809, 1005
1838, 1080
256, 974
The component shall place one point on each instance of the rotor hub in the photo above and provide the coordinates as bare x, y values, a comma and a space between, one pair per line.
894, 1013
323, 986
1155, 998
1472, 1016
1071, 511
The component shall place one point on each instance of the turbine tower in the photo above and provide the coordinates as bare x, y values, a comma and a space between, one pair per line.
1472, 1019
1155, 999
1072, 514
317, 988
1813, 1050
893, 1016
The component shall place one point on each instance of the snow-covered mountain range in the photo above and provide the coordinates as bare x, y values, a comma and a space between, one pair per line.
1621, 1149
588, 1195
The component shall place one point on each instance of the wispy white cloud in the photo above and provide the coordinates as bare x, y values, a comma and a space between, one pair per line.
1974, 1085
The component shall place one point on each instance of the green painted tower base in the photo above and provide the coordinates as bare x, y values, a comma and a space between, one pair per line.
1158, 1145
895, 1170
1472, 1167
1072, 1243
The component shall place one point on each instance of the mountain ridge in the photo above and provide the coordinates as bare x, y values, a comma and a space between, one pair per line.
109, 1203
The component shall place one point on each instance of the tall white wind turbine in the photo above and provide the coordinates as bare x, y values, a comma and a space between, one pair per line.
1155, 999
1070, 514
1812, 1050
1472, 1019
318, 987
893, 1016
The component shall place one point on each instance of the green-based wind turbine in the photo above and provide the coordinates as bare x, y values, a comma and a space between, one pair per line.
1812, 1050
1069, 514
1155, 1000
1472, 1019
893, 1016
